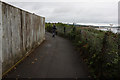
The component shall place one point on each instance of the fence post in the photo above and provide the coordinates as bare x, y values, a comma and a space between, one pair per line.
103, 51
118, 54
74, 30
64, 30
80, 35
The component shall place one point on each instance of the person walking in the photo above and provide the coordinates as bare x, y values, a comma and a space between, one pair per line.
54, 30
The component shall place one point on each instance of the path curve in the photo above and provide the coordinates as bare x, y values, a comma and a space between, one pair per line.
55, 58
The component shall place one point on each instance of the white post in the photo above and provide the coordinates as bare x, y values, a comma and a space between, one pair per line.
111, 25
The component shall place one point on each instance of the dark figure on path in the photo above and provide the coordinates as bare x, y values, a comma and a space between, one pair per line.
54, 30
74, 29
64, 30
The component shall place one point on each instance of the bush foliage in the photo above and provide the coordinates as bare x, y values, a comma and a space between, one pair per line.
99, 49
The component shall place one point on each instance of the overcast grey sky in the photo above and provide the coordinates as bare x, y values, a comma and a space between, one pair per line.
98, 12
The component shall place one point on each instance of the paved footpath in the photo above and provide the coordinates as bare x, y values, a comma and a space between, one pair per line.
55, 58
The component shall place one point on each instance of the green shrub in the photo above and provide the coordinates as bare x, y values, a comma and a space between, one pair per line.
99, 49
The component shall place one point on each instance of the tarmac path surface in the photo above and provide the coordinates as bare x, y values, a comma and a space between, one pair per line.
54, 58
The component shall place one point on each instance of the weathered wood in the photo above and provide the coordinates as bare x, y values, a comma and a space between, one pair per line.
21, 32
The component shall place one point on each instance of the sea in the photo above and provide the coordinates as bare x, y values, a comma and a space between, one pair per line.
114, 30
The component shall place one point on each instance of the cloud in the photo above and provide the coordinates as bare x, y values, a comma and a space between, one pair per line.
78, 12
60, 0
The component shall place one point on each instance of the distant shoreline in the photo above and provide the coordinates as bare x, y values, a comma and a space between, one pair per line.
114, 30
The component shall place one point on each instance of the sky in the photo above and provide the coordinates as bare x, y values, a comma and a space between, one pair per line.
89, 12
